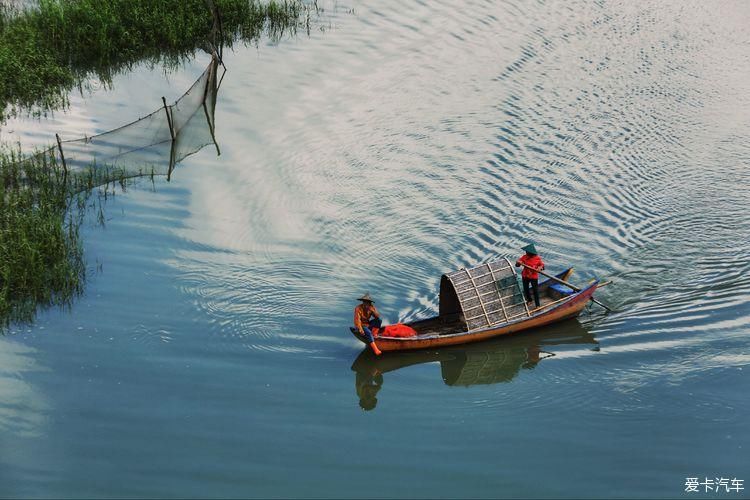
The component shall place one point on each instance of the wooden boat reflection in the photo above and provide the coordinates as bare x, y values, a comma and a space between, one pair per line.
492, 362
485, 302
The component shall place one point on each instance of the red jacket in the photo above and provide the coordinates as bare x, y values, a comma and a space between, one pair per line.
531, 260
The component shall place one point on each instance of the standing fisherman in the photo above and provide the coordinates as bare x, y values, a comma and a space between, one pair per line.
367, 317
529, 275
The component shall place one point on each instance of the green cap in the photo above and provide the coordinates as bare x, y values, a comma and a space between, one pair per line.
530, 248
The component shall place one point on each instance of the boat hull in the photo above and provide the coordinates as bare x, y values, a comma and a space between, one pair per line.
569, 308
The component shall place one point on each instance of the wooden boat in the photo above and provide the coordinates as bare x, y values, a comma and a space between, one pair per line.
486, 302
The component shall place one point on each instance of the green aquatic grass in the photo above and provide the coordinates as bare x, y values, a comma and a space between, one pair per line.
47, 51
41, 258
41, 211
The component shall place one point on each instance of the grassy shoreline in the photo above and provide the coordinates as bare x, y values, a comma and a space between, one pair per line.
44, 54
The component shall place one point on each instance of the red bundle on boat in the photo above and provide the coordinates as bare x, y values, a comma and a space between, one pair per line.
397, 330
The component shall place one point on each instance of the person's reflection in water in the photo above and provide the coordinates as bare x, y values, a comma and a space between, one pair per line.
368, 384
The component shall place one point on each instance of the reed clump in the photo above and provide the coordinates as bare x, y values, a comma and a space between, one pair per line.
41, 257
47, 50
42, 207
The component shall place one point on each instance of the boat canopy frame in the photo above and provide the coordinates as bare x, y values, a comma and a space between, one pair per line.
483, 296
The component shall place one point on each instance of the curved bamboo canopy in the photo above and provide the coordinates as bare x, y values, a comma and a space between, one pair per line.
482, 296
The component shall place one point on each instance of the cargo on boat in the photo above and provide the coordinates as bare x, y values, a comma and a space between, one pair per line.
485, 302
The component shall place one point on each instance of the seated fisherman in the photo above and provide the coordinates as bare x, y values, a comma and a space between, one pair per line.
529, 275
367, 317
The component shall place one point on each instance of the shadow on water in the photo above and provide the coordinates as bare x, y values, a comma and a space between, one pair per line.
494, 361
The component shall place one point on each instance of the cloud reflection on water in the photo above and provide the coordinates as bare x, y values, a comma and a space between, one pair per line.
23, 409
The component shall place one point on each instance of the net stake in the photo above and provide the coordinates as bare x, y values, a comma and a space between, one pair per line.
211, 78
62, 156
169, 117
171, 161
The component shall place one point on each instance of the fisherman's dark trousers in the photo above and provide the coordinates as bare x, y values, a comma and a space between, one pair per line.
534, 286
374, 323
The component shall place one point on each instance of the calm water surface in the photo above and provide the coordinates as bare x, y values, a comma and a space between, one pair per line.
210, 354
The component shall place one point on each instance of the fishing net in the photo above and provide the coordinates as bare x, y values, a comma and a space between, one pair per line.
151, 145
192, 115
134, 147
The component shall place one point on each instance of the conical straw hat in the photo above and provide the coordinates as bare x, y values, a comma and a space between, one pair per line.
530, 248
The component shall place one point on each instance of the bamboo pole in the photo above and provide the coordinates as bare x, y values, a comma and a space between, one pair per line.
62, 156
211, 78
545, 306
174, 138
171, 160
563, 282
217, 26
169, 118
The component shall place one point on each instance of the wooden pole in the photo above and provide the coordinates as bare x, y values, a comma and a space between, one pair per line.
211, 129
174, 141
217, 26
62, 156
575, 288
221, 34
171, 161
169, 118
563, 282
211, 78
172, 134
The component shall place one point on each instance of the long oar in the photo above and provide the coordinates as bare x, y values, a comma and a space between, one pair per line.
555, 278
